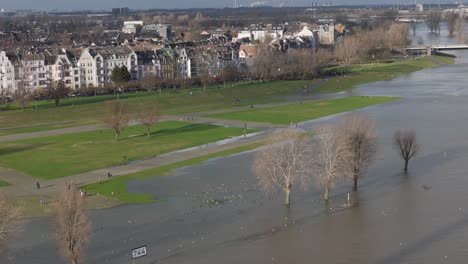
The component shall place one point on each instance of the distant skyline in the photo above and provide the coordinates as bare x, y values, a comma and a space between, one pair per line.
180, 4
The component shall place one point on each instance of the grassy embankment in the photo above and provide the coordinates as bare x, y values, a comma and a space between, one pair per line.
285, 114
117, 187
369, 73
64, 155
445, 59
91, 110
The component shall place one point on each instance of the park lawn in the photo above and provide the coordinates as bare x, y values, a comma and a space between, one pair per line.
117, 187
92, 109
285, 114
3, 183
69, 154
369, 73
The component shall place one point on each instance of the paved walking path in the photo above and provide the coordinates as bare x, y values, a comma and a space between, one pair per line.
191, 117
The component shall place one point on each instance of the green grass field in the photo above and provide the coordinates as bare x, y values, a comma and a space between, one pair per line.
285, 114
369, 73
3, 184
117, 187
69, 154
92, 109
446, 59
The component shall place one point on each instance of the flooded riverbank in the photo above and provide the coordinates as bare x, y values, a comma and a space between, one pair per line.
214, 213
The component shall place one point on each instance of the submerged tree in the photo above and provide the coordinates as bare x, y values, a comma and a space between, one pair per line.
72, 225
117, 117
360, 138
329, 158
284, 162
452, 22
406, 144
433, 21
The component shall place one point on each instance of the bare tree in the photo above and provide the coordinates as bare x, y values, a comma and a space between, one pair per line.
56, 90
397, 36
5, 95
264, 66
321, 58
347, 51
23, 93
117, 117
10, 215
283, 163
203, 71
452, 22
72, 225
360, 142
406, 144
433, 21
460, 29
329, 158
149, 116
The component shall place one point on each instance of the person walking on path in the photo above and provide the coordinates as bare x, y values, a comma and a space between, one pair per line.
38, 185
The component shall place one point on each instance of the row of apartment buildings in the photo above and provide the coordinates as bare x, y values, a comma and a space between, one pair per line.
92, 67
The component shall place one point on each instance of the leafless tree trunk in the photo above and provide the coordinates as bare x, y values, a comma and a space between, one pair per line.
460, 29
407, 146
360, 139
5, 95
329, 158
71, 224
23, 93
56, 90
452, 22
347, 51
10, 215
414, 27
117, 117
149, 116
433, 21
284, 162
264, 65
397, 36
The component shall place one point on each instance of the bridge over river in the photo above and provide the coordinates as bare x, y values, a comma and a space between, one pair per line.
435, 48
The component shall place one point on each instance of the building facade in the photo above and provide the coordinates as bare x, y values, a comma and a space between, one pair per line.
96, 65
7, 74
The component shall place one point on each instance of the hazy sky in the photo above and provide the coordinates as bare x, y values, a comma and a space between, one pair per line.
141, 4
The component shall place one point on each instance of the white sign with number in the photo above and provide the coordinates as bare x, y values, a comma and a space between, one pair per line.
139, 252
